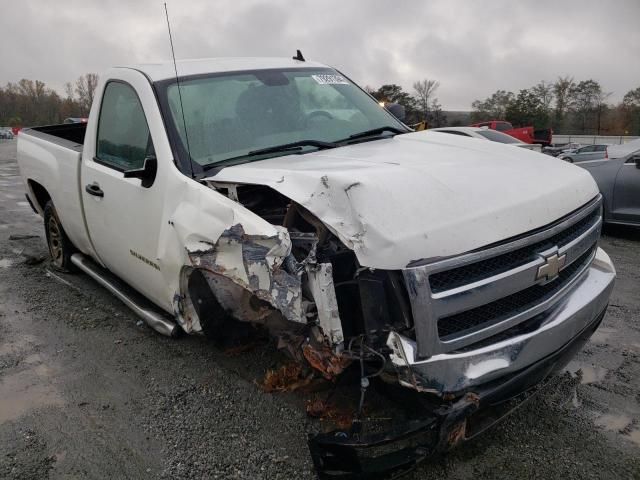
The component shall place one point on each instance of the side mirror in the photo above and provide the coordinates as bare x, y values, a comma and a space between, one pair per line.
147, 173
396, 110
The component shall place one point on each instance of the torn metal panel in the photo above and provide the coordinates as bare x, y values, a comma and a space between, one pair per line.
254, 263
255, 278
320, 283
185, 312
325, 360
236, 299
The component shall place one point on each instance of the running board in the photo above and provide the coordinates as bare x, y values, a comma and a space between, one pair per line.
140, 305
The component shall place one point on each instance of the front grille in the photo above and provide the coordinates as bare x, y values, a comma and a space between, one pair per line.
494, 293
495, 265
511, 305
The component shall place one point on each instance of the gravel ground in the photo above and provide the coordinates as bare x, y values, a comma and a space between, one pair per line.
88, 391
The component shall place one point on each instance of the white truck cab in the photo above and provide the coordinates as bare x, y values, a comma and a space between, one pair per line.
277, 192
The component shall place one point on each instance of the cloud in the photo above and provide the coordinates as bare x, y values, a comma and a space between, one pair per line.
473, 48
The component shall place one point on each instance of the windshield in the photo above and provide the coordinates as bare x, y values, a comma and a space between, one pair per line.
228, 116
498, 137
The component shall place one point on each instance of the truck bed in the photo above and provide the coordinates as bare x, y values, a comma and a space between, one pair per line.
50, 157
70, 135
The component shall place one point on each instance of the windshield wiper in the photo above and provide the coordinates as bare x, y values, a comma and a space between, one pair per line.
375, 131
286, 147
293, 146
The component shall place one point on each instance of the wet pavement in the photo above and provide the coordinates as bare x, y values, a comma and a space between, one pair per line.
88, 391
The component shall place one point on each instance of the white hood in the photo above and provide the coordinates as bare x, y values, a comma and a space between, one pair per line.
418, 196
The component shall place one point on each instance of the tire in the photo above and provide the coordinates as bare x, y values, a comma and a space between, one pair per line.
60, 247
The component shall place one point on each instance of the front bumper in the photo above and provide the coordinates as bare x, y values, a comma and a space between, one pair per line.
459, 372
353, 455
488, 383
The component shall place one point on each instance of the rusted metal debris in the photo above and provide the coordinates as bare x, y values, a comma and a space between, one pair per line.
340, 416
457, 433
287, 378
325, 361
473, 398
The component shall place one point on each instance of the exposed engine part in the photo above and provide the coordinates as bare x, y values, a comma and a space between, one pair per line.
308, 276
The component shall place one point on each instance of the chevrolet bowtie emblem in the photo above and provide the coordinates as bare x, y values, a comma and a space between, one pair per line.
552, 266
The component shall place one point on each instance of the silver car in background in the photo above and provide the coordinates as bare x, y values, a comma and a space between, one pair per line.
560, 149
582, 154
485, 133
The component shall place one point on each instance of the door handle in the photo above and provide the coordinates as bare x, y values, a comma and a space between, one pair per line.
94, 189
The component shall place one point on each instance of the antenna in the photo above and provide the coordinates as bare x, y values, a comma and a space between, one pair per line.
175, 68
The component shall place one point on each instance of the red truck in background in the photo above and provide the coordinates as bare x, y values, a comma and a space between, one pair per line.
526, 134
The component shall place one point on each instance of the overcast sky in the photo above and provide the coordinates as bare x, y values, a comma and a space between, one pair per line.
473, 48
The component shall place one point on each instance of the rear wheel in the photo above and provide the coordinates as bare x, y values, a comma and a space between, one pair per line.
60, 247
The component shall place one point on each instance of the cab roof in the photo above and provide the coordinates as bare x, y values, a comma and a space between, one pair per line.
165, 70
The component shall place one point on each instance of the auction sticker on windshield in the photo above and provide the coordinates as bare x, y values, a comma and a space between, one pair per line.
328, 79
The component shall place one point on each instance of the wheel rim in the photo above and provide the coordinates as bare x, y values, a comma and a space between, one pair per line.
55, 241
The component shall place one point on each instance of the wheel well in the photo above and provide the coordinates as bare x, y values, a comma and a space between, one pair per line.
206, 306
40, 193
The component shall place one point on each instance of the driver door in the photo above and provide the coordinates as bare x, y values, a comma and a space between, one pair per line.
123, 216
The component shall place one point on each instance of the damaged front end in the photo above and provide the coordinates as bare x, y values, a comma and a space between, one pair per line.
466, 334
302, 283
257, 279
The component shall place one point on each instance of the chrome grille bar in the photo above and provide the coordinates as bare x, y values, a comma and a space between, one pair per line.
580, 232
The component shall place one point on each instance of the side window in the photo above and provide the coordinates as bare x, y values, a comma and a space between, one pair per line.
123, 134
502, 127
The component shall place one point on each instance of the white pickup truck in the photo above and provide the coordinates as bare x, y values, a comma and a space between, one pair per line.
277, 192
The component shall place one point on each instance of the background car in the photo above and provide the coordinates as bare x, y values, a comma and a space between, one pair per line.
487, 134
558, 149
589, 152
619, 183
624, 149
75, 120
6, 133
543, 136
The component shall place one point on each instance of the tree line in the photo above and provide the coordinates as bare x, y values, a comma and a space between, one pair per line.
422, 106
29, 102
566, 105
